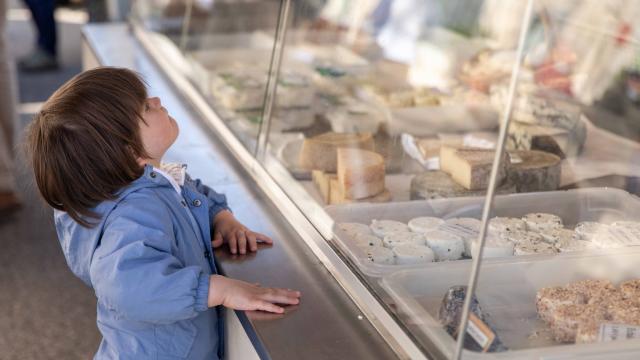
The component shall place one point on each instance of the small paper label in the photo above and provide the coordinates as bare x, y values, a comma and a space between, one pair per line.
615, 332
480, 332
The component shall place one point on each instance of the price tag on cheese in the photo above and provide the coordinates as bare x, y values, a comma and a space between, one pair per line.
480, 332
615, 332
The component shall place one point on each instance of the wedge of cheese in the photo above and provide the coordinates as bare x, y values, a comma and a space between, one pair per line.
360, 173
471, 167
321, 180
320, 152
337, 196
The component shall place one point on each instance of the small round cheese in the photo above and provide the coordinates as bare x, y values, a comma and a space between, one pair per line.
495, 247
424, 224
403, 238
353, 229
541, 221
522, 237
506, 224
364, 240
588, 230
382, 228
571, 245
380, 255
532, 248
413, 254
466, 228
554, 236
445, 245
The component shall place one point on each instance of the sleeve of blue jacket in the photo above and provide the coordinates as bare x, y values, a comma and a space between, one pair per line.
134, 272
217, 201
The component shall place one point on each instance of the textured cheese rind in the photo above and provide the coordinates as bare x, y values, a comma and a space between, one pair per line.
382, 228
517, 237
471, 167
364, 240
541, 221
445, 245
567, 318
353, 229
380, 255
320, 152
360, 173
558, 236
413, 254
535, 171
431, 185
549, 298
424, 224
506, 224
403, 238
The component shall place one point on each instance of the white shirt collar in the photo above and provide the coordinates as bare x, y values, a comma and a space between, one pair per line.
173, 172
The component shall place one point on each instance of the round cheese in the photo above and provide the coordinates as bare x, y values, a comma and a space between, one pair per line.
382, 228
555, 236
445, 245
354, 229
518, 237
495, 247
403, 238
425, 224
541, 221
380, 255
533, 248
588, 230
364, 240
506, 224
413, 254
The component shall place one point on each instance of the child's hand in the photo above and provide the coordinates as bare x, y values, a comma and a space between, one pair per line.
231, 231
240, 295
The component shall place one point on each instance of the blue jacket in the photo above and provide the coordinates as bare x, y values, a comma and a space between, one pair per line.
148, 261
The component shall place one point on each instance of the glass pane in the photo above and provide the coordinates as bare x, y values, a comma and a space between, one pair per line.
571, 144
223, 48
384, 133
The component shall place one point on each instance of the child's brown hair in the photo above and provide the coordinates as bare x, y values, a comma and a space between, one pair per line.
85, 142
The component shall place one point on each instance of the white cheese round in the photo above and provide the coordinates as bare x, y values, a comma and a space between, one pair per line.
522, 237
364, 240
506, 224
403, 238
531, 248
380, 255
424, 224
495, 247
445, 245
413, 254
555, 236
382, 228
541, 221
353, 229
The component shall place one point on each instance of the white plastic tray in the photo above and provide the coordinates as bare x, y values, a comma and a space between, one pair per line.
506, 291
590, 204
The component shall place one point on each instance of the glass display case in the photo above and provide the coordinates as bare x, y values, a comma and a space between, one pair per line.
469, 160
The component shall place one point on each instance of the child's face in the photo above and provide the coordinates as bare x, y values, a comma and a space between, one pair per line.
160, 130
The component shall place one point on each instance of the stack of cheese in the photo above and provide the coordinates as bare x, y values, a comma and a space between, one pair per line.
465, 171
576, 312
345, 168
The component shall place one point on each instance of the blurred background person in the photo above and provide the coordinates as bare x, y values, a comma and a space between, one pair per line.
44, 55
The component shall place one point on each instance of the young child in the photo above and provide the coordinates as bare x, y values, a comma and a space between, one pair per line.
139, 236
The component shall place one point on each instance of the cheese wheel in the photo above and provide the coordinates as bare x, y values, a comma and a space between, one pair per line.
466, 228
413, 254
424, 224
403, 238
382, 228
320, 152
445, 245
380, 255
360, 173
533, 248
353, 229
534, 170
541, 221
364, 240
439, 185
506, 224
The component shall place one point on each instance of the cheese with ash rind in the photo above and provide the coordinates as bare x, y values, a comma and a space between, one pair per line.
403, 238
380, 255
534, 171
445, 245
431, 185
541, 221
471, 167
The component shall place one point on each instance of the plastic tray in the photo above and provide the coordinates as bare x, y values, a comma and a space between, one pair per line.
590, 204
506, 291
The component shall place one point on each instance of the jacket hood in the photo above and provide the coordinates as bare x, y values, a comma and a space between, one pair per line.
78, 242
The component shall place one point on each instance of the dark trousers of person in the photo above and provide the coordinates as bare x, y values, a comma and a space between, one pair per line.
42, 13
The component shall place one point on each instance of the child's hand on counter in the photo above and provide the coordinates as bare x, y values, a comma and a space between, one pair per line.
240, 295
228, 230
